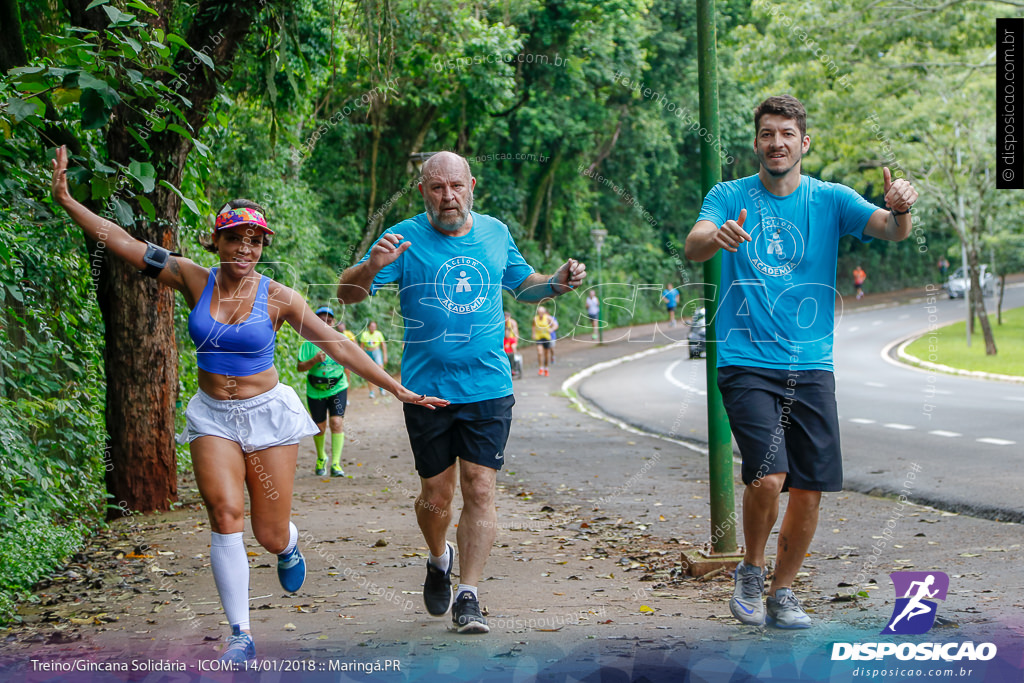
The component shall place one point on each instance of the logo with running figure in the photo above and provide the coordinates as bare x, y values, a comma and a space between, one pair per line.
776, 247
914, 612
462, 284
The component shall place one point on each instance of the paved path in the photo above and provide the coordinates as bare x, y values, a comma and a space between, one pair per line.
583, 583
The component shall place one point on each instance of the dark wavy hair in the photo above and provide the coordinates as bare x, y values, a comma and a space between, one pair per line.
207, 240
782, 105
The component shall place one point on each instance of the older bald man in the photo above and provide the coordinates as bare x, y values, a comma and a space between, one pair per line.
451, 264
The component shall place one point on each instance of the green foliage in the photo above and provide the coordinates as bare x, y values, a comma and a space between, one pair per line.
51, 401
887, 84
52, 389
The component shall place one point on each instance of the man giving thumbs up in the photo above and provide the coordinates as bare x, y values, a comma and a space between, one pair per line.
780, 231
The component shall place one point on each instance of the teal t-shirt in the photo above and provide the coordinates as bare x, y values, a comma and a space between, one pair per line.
450, 293
671, 297
327, 369
777, 295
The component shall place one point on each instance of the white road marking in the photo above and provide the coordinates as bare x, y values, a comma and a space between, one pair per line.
874, 384
681, 385
862, 421
941, 392
597, 367
904, 316
996, 442
877, 322
942, 432
854, 328
1015, 398
897, 425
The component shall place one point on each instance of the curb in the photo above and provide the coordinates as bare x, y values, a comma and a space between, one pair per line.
897, 351
592, 411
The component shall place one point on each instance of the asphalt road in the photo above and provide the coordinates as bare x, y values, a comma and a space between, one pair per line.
965, 435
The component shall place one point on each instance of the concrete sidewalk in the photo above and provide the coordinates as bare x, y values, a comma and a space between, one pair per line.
584, 578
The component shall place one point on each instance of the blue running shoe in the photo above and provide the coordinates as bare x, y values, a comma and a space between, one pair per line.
747, 603
291, 570
240, 648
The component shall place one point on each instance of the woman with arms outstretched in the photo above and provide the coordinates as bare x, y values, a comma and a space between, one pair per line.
243, 426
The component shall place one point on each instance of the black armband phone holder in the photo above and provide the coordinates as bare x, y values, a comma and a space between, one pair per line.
156, 259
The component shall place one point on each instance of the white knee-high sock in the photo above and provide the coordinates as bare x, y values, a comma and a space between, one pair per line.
293, 540
231, 573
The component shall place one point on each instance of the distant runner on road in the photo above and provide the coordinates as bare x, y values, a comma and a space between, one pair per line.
779, 232
543, 330
451, 265
670, 296
859, 276
372, 341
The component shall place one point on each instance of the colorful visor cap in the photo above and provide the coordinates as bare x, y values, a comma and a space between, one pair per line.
235, 217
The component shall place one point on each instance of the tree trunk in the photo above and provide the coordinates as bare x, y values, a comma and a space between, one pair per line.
12, 47
141, 363
999, 301
140, 355
375, 220
978, 302
537, 201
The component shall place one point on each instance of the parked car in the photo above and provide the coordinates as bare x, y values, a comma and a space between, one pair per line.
958, 285
697, 337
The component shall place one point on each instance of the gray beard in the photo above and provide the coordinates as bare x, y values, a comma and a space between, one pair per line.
449, 225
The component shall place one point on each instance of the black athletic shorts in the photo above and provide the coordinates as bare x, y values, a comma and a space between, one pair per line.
475, 432
785, 421
334, 405
543, 343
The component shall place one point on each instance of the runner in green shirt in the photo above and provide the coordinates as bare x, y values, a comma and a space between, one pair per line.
326, 393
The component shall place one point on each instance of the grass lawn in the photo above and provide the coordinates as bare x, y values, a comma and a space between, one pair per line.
948, 346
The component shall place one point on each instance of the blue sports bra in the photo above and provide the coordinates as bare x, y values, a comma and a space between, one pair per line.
239, 350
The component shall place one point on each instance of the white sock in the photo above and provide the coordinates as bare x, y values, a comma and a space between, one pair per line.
231, 574
442, 562
466, 588
293, 540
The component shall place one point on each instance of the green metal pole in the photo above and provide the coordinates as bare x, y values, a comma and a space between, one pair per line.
720, 478
600, 308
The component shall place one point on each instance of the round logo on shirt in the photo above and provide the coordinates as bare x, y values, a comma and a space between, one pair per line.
776, 246
462, 284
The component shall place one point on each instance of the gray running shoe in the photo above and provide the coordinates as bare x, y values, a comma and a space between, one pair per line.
746, 603
784, 611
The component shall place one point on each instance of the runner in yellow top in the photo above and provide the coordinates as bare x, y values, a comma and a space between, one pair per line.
543, 324
341, 328
372, 341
